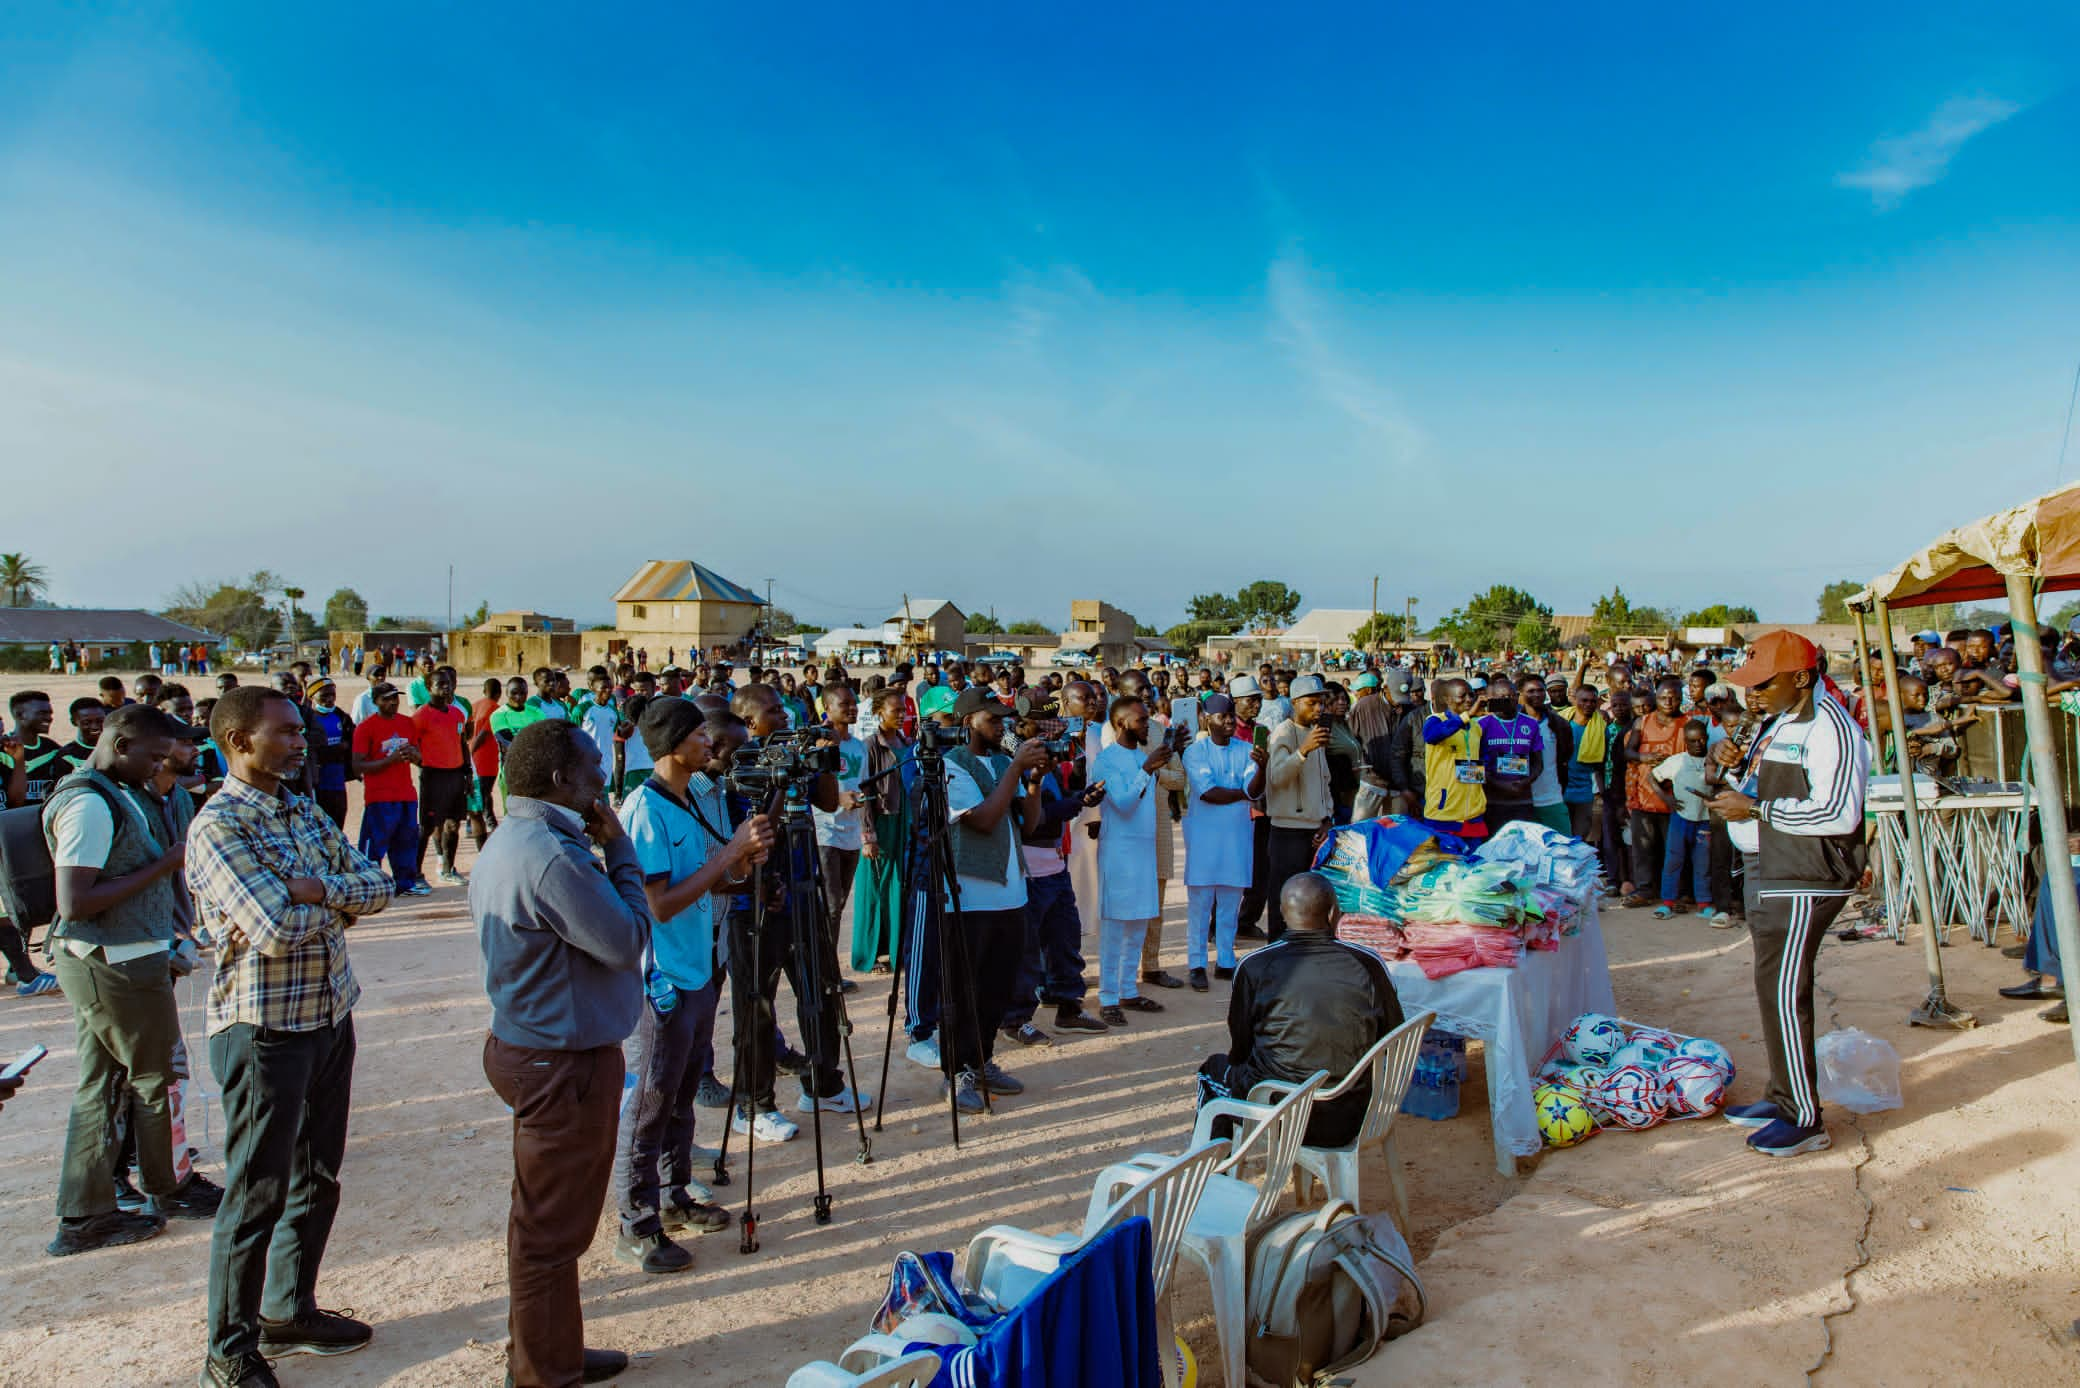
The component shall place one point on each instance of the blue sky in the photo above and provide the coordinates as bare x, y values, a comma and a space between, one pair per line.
1019, 308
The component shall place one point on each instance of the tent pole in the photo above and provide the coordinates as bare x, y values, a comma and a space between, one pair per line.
1935, 1009
1863, 678
2043, 757
1890, 862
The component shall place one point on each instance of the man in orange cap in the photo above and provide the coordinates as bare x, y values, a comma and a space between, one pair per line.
1799, 811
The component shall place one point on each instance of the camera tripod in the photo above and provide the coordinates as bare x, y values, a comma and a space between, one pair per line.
929, 910
817, 975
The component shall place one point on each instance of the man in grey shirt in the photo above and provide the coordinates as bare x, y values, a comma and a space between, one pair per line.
564, 941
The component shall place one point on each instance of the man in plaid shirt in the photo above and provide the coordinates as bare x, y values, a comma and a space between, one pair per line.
277, 884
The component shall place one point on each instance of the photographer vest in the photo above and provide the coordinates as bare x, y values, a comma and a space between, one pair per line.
983, 856
137, 843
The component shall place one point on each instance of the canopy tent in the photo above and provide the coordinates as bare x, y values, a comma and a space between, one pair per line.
2039, 540
2012, 554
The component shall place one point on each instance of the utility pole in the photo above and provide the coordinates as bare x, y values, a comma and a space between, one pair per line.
1374, 628
451, 597
1408, 627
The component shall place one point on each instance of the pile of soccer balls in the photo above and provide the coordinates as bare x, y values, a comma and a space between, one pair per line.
1613, 1073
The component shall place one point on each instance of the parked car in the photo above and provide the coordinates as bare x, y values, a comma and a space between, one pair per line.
866, 655
1074, 660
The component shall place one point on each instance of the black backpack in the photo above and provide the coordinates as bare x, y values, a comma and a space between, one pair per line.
28, 881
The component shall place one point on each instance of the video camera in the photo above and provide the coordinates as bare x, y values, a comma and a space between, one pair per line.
940, 738
790, 758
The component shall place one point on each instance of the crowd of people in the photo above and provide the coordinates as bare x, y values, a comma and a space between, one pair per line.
637, 853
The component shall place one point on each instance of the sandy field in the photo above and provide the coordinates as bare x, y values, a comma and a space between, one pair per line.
1934, 1244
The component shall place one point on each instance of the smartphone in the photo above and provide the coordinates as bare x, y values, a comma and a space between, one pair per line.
1260, 737
24, 1063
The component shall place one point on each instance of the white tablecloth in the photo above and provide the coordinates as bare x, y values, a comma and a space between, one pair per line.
1517, 1014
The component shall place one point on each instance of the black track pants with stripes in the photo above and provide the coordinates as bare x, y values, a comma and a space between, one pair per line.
1787, 927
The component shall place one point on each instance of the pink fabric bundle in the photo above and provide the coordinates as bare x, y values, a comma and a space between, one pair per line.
1440, 950
1383, 937
1542, 932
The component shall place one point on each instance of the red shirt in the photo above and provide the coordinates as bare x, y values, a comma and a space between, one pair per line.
484, 758
392, 783
440, 736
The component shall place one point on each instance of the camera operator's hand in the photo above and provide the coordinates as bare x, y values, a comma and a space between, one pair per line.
602, 825
751, 843
1093, 794
1261, 756
1031, 756
1317, 738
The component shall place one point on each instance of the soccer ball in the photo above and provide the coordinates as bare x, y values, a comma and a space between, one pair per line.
1646, 1054
1563, 1119
1704, 1048
1592, 1039
1656, 1037
1691, 1085
1629, 1097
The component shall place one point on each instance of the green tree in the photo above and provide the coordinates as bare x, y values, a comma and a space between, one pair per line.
477, 616
1267, 603
347, 610
1719, 615
23, 579
243, 611
1834, 599
1145, 629
1489, 621
1029, 627
1215, 608
1383, 628
1616, 616
983, 624
1534, 633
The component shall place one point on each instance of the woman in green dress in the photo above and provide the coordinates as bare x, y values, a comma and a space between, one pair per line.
877, 889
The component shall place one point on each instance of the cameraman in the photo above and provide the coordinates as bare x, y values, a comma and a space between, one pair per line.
981, 785
757, 957
1052, 967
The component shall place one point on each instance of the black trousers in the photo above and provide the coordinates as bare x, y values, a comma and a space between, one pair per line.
752, 991
286, 1095
1617, 862
1726, 870
1291, 853
1787, 927
1649, 846
1253, 896
334, 804
996, 942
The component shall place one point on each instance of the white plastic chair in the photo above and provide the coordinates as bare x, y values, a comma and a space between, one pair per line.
1233, 1206
1391, 1064
1005, 1264
910, 1371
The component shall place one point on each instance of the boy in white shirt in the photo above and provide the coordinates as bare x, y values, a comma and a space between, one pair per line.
1682, 780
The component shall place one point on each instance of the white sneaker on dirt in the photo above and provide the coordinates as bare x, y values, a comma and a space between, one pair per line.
925, 1052
770, 1126
844, 1101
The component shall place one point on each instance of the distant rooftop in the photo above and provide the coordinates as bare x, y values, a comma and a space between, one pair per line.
682, 580
39, 626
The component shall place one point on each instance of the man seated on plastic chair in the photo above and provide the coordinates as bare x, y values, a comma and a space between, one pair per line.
1308, 1002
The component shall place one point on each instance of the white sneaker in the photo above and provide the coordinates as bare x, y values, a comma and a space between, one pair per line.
844, 1101
453, 878
770, 1126
925, 1052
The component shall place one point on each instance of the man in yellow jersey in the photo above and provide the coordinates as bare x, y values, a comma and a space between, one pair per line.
1455, 797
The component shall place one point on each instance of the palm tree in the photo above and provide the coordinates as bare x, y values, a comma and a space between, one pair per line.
23, 580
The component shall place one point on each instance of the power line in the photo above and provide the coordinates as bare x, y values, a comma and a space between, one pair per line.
2066, 435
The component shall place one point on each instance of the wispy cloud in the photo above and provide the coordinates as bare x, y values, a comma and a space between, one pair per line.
1301, 326
1903, 163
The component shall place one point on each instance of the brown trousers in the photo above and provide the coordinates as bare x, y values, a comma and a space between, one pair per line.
564, 1110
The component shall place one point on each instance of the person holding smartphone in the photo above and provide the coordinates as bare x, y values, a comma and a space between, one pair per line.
1297, 797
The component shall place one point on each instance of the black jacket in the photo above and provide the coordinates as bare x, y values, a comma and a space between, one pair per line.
1405, 764
1310, 1002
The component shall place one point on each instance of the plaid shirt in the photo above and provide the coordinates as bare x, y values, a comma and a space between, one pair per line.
279, 966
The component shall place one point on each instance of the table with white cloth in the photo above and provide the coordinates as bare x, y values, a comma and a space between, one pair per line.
1516, 1014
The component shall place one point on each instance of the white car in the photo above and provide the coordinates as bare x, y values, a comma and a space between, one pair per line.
869, 656
1074, 660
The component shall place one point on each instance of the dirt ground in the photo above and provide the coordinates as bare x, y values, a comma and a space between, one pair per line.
1671, 1256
